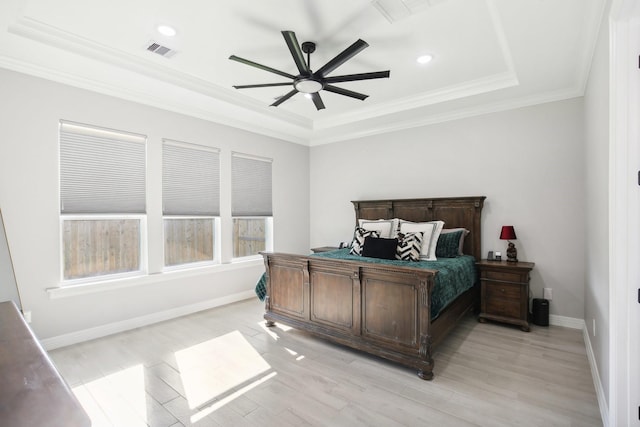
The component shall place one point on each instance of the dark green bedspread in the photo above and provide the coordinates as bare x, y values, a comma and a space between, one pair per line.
261, 287
455, 275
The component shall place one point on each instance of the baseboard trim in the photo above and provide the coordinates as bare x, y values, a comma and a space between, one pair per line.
567, 322
602, 400
136, 322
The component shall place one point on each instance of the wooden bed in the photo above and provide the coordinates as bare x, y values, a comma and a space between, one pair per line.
384, 310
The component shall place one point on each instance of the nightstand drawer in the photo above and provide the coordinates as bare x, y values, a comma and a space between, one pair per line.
503, 291
503, 307
504, 276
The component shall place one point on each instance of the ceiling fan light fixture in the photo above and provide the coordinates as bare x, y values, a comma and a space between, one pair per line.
166, 30
424, 59
308, 86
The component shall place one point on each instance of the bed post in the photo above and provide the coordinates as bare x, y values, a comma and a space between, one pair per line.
426, 342
267, 300
477, 226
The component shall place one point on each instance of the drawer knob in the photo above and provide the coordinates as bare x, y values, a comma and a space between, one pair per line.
502, 290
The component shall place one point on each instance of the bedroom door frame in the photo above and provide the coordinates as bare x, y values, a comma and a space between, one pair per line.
624, 214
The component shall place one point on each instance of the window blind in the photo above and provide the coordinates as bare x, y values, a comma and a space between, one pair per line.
101, 170
250, 186
190, 179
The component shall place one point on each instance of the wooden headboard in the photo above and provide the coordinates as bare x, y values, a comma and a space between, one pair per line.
456, 212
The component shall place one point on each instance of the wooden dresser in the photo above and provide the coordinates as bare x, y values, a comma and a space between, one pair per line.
32, 392
504, 288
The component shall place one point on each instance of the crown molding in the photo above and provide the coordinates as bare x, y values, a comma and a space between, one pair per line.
457, 114
306, 139
502, 80
214, 103
12, 64
51, 36
475, 87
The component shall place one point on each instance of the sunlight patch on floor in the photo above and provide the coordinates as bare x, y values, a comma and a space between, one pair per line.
270, 330
212, 370
212, 374
294, 353
206, 410
121, 396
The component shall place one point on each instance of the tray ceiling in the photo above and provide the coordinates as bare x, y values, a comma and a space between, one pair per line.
488, 55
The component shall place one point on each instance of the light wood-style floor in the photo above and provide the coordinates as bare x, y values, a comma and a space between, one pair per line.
223, 367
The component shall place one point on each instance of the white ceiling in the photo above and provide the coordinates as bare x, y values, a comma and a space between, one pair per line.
489, 55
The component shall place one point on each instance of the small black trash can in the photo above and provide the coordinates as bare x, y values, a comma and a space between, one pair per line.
541, 311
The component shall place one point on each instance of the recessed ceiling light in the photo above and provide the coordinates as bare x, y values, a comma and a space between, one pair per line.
166, 30
424, 59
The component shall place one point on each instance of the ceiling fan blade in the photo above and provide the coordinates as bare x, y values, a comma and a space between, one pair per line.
296, 52
262, 85
361, 76
284, 98
317, 101
346, 92
260, 66
342, 57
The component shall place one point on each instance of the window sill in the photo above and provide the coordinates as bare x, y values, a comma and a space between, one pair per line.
109, 285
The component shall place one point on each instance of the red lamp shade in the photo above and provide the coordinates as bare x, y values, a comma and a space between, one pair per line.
508, 233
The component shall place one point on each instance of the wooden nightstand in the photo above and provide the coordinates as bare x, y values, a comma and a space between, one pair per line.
324, 249
505, 292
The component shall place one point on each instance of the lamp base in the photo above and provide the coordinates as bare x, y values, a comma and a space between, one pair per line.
512, 253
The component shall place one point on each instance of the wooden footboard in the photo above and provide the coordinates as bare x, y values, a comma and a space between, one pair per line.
380, 309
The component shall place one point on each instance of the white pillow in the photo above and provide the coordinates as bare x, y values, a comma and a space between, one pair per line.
387, 228
431, 230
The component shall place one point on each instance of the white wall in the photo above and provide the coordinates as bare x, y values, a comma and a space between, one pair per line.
597, 205
529, 163
30, 110
8, 287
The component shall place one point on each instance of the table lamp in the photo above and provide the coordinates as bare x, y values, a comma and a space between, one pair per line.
508, 233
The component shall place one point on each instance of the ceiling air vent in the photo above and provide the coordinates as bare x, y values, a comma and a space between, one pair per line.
165, 51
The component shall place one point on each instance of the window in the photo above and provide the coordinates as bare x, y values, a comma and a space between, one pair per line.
191, 203
94, 247
251, 205
102, 201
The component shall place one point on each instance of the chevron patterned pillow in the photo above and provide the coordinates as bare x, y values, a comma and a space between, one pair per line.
409, 245
358, 240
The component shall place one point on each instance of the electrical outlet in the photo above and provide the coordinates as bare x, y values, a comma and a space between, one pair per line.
27, 316
547, 293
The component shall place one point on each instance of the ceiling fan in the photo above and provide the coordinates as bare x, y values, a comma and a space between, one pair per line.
309, 82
